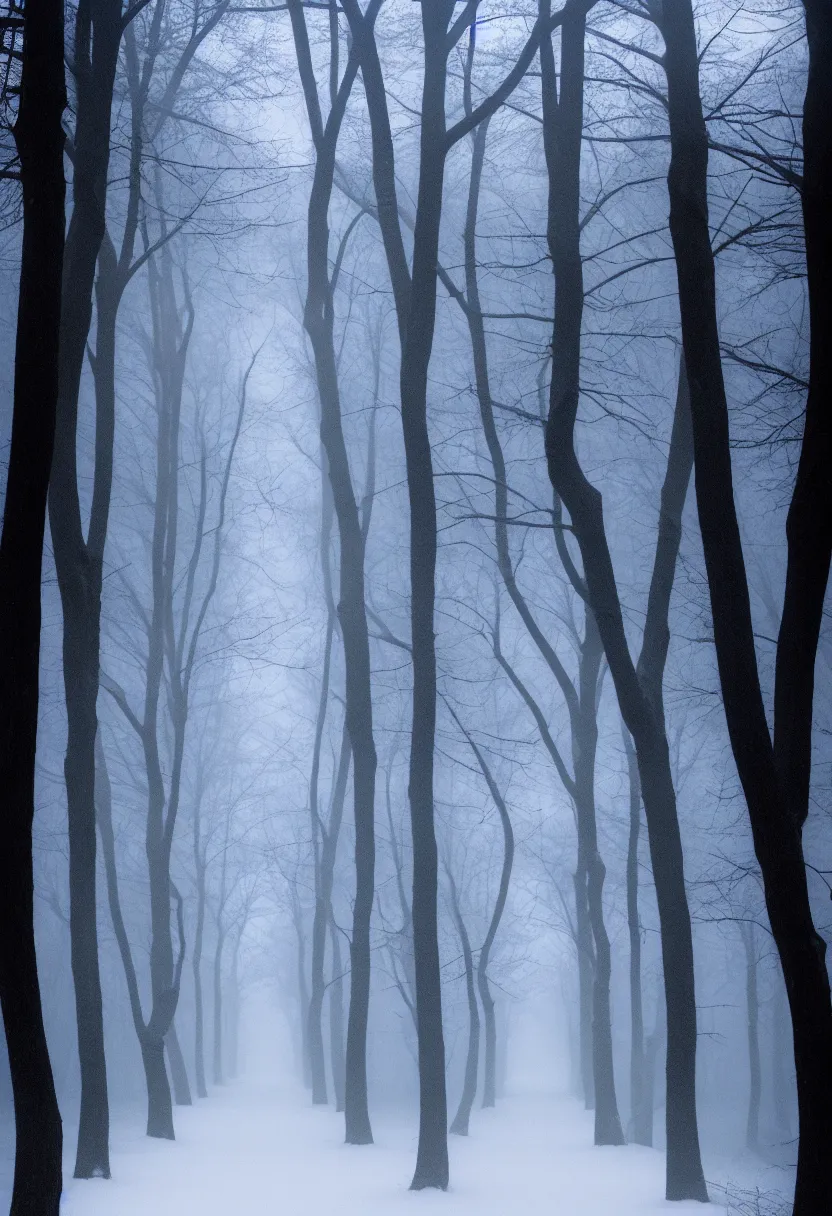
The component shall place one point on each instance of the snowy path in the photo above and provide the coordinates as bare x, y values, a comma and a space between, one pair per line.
252, 1151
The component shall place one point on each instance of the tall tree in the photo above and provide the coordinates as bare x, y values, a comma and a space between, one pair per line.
638, 687
774, 767
79, 559
319, 320
39, 139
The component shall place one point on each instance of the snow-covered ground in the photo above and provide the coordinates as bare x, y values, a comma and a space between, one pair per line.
252, 1151
257, 1148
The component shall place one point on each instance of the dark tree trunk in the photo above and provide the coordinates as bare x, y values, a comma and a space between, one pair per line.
319, 318
775, 775
752, 1011
563, 125
641, 1103
432, 1154
178, 1071
336, 1017
585, 744
78, 561
159, 1106
459, 1126
594, 964
40, 140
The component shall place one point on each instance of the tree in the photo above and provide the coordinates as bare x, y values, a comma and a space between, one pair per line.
639, 688
39, 139
774, 767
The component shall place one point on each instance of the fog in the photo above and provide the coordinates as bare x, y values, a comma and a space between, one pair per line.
426, 727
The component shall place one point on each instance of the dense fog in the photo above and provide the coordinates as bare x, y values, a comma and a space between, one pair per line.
427, 742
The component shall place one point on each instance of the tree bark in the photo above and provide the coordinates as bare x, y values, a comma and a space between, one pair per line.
319, 319
563, 125
459, 1126
79, 560
641, 1104
178, 1071
40, 141
774, 774
336, 1017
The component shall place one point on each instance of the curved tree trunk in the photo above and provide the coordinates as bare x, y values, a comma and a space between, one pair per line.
40, 142
563, 126
319, 319
78, 560
774, 773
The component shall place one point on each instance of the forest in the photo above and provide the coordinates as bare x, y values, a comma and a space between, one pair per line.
415, 651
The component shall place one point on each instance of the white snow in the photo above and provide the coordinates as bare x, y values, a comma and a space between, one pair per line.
252, 1150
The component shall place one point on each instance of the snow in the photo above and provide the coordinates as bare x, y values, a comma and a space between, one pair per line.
251, 1150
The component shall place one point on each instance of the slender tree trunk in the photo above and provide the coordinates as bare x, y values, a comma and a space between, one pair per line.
459, 1126
196, 963
432, 1154
595, 1020
775, 774
586, 970
752, 1011
563, 125
607, 1121
641, 1105
178, 1071
323, 905
490, 1062
336, 1017
40, 140
319, 318
78, 560
219, 1079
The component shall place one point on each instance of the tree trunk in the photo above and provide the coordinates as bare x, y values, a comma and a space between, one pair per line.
752, 1010
585, 745
586, 971
641, 1104
178, 1071
78, 561
40, 140
303, 989
459, 1126
196, 963
319, 320
775, 775
159, 1106
336, 1017
563, 125
323, 906
218, 1054
432, 1154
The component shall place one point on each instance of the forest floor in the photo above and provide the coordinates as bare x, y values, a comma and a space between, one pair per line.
251, 1151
